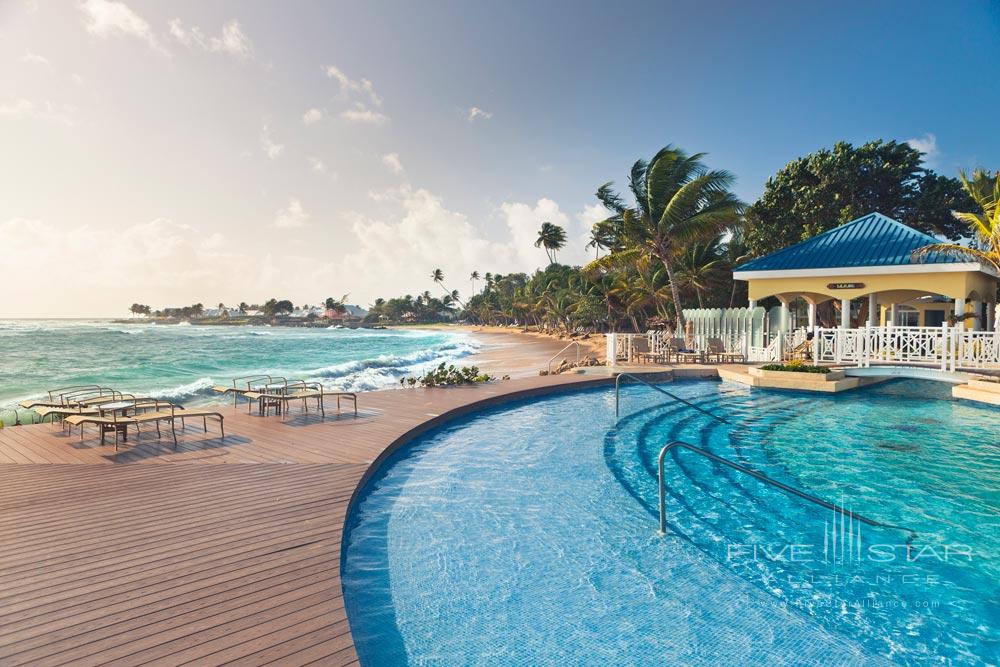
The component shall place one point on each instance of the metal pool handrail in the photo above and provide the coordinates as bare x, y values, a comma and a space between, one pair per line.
548, 366
762, 477
618, 381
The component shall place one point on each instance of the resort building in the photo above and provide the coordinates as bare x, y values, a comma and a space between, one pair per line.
866, 270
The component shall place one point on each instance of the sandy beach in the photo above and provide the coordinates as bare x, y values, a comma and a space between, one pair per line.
511, 351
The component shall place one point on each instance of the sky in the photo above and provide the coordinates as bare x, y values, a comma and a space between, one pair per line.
182, 152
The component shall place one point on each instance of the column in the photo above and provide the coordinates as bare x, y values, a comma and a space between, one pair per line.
785, 317
892, 316
991, 315
977, 308
812, 316
845, 313
873, 310
959, 311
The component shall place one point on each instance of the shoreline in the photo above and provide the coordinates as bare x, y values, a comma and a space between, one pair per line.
532, 349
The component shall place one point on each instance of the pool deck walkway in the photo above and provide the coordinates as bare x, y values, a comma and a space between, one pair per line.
217, 553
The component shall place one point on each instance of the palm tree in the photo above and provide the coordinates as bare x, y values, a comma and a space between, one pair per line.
603, 236
701, 267
437, 275
678, 201
474, 276
984, 188
244, 307
552, 238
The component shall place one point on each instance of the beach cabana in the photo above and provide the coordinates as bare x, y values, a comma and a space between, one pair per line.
866, 268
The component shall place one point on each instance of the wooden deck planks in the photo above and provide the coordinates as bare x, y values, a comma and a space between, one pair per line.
221, 552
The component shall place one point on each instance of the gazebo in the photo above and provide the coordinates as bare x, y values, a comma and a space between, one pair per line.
872, 257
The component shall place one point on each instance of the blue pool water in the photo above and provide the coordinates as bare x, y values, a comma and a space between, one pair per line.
183, 362
527, 534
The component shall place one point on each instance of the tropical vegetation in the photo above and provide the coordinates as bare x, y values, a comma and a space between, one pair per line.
447, 376
983, 188
673, 236
829, 187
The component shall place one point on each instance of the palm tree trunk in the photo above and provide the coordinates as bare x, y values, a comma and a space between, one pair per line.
701, 304
675, 291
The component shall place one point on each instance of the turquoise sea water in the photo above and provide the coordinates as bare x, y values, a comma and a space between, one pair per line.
527, 535
183, 362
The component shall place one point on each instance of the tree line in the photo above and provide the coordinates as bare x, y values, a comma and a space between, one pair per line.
675, 233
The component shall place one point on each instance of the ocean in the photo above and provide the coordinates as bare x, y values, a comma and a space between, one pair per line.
182, 362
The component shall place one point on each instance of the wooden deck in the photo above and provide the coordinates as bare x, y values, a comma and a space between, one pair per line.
157, 557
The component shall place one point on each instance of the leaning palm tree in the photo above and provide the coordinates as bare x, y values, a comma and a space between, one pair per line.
701, 267
437, 275
474, 276
552, 238
678, 202
984, 188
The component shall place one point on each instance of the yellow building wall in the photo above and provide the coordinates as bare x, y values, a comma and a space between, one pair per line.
891, 288
950, 284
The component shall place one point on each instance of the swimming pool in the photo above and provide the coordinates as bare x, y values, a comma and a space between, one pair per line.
527, 534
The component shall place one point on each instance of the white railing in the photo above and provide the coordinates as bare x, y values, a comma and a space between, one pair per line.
977, 349
947, 348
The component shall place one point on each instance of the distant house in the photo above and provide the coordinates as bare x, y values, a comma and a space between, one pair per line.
350, 314
302, 313
224, 312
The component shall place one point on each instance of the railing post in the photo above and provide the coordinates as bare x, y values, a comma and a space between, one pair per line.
663, 491
944, 346
611, 349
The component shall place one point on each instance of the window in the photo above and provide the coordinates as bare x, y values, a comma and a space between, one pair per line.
933, 318
907, 317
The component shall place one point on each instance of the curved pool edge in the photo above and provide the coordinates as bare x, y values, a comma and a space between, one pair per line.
554, 385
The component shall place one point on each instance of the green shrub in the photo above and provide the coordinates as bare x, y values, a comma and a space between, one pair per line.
446, 376
796, 366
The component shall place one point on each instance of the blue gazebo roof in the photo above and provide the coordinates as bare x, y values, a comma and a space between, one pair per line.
872, 240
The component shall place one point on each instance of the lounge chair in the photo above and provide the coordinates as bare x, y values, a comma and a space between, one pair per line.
244, 385
802, 351
299, 390
72, 396
162, 412
672, 348
717, 350
641, 350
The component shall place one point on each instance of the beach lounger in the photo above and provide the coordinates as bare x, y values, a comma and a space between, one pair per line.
244, 385
163, 412
298, 390
72, 396
717, 350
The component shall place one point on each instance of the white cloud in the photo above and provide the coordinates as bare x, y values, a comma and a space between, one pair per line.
159, 262
317, 165
523, 222
291, 216
35, 59
270, 148
397, 250
350, 87
361, 114
927, 145
232, 40
65, 114
106, 17
476, 112
311, 116
547, 168
19, 108
77, 79
392, 162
